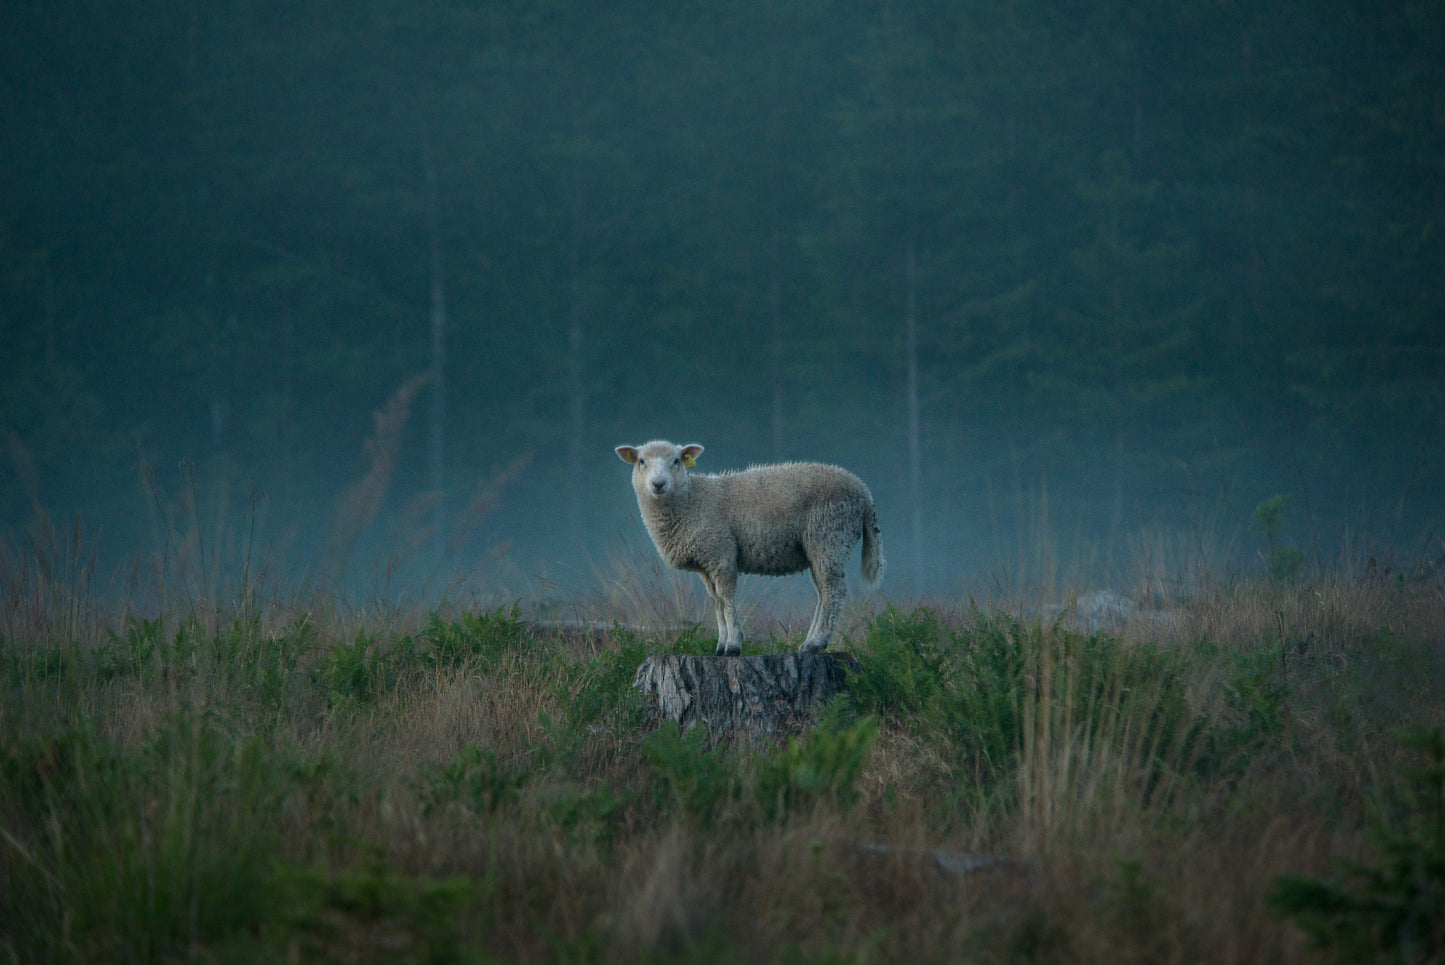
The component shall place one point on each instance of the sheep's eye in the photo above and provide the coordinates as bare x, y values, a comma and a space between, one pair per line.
676, 461
641, 462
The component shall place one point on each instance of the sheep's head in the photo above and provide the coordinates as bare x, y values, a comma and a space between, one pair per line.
659, 468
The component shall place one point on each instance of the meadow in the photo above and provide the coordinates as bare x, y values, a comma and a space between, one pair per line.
1258, 776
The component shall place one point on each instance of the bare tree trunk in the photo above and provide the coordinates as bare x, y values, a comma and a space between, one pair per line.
1116, 520
776, 121
436, 440
775, 348
915, 453
576, 368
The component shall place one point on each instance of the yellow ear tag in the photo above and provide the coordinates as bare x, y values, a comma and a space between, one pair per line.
688, 461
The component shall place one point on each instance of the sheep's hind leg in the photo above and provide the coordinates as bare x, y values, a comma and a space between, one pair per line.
832, 587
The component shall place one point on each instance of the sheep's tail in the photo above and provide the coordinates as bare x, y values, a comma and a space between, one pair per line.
873, 561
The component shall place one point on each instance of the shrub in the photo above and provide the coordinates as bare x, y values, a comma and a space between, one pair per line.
354, 674
905, 669
136, 652
375, 914
1282, 563
142, 853
249, 663
819, 768
709, 785
601, 689
1253, 716
704, 783
487, 638
1395, 909
472, 779
965, 685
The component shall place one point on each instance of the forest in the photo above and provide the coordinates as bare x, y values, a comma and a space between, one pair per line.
323, 593
370, 290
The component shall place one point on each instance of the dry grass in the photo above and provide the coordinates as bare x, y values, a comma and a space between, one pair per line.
1155, 784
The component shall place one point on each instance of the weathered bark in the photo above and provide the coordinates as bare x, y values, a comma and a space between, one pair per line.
753, 701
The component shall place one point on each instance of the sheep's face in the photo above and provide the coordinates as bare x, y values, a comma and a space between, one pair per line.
659, 469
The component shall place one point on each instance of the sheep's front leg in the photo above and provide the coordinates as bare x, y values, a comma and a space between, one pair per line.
722, 587
717, 609
832, 587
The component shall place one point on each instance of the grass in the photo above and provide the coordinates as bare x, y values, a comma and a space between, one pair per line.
1257, 778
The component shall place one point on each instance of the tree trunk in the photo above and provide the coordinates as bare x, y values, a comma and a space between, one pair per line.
915, 450
775, 342
576, 361
777, 137
755, 701
436, 443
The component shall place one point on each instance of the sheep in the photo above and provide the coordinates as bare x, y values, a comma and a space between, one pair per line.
770, 520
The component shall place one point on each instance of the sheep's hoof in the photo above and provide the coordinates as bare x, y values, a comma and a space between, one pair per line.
813, 646
729, 650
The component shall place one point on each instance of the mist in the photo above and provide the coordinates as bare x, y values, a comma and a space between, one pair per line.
362, 296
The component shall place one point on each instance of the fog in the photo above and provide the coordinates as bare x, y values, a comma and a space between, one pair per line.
360, 297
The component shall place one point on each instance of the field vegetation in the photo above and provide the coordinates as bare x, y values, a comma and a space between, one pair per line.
1257, 777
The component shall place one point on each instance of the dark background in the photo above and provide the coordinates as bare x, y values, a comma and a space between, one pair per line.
1073, 286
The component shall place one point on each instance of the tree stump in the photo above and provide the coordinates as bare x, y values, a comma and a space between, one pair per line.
754, 701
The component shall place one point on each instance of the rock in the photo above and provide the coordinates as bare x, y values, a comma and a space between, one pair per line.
958, 864
1105, 611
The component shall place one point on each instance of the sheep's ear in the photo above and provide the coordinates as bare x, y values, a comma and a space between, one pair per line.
627, 453
690, 454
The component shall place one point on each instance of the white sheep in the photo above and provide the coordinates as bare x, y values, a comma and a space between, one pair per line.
770, 520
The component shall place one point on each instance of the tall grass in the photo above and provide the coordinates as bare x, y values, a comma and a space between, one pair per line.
140, 852
285, 782
1107, 736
